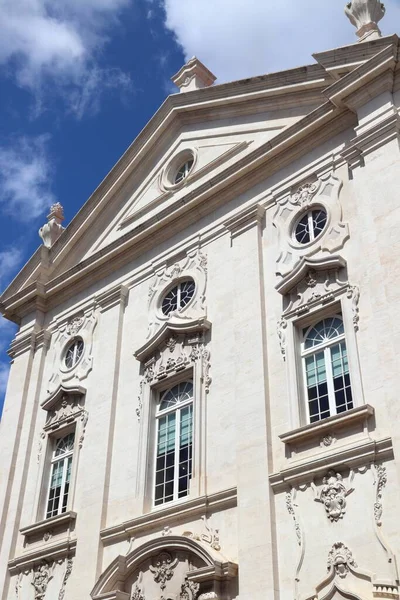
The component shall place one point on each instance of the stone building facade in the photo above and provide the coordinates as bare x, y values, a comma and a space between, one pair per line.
202, 402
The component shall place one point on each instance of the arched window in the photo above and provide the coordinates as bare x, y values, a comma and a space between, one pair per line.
179, 296
326, 369
173, 468
60, 478
183, 171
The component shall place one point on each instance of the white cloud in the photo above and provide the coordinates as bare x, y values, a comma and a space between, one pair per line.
237, 39
42, 40
25, 173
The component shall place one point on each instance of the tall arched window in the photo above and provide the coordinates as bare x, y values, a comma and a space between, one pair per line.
60, 478
173, 468
326, 369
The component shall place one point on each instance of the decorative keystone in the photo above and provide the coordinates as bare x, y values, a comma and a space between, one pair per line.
193, 76
51, 231
365, 15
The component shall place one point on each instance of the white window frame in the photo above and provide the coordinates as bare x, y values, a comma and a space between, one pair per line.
158, 415
309, 214
298, 410
324, 347
184, 169
75, 357
54, 460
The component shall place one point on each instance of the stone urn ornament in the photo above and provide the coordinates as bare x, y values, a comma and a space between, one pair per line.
365, 16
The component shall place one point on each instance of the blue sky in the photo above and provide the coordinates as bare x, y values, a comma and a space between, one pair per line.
80, 78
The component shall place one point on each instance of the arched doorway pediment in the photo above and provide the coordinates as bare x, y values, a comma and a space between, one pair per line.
176, 566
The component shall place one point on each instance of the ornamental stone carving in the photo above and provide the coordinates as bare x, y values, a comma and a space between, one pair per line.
211, 537
71, 377
137, 593
68, 570
381, 480
189, 590
41, 576
333, 496
365, 16
340, 559
51, 231
163, 569
321, 194
171, 358
194, 266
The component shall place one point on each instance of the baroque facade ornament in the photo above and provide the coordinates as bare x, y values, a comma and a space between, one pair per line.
340, 559
74, 325
137, 593
51, 231
290, 508
333, 496
381, 481
171, 358
305, 194
193, 266
211, 537
68, 570
41, 575
365, 16
281, 330
163, 569
353, 293
189, 590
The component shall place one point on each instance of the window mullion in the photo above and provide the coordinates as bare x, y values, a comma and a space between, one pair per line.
311, 225
329, 379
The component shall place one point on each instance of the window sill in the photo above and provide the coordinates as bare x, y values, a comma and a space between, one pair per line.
321, 429
49, 527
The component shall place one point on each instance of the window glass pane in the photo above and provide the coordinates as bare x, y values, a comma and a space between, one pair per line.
341, 378
178, 394
324, 331
317, 388
65, 444
185, 451
302, 232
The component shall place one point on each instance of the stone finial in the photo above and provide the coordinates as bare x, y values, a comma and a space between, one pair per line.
365, 15
193, 76
51, 231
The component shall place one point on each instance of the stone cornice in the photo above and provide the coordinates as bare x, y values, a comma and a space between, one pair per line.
182, 512
48, 553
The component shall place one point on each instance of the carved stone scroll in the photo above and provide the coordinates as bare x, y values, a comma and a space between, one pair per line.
211, 537
41, 575
333, 495
340, 559
163, 569
68, 570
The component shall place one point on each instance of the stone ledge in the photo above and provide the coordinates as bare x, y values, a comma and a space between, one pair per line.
353, 456
159, 518
337, 422
63, 521
48, 553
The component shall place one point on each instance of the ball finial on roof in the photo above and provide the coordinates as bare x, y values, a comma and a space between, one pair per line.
365, 15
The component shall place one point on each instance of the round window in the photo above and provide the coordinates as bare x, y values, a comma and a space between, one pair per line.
74, 353
310, 226
178, 297
183, 171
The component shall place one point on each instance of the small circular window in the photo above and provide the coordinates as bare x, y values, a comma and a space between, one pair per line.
178, 297
74, 353
183, 171
310, 226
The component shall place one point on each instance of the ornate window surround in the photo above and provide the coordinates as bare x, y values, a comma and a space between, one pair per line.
65, 413
316, 290
176, 357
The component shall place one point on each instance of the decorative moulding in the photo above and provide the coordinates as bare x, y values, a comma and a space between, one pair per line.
349, 456
57, 396
81, 325
174, 355
304, 266
50, 554
333, 494
193, 266
245, 220
169, 330
320, 193
162, 556
59, 522
180, 513
323, 428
